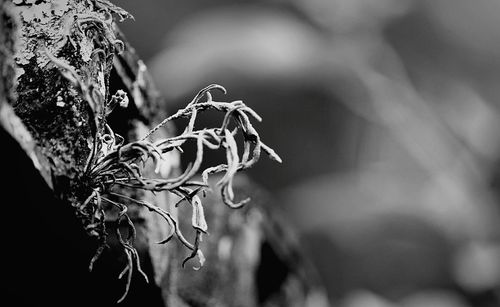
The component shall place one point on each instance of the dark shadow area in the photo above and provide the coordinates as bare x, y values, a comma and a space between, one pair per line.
47, 252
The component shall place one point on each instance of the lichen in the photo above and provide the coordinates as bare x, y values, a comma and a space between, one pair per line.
51, 24
42, 24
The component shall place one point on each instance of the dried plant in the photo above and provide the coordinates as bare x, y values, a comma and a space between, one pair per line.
114, 164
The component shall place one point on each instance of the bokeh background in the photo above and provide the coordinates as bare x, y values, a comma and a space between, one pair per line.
387, 116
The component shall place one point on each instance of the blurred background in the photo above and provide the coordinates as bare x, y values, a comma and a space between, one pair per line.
387, 116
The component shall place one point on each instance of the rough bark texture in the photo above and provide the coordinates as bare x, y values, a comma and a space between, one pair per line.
61, 60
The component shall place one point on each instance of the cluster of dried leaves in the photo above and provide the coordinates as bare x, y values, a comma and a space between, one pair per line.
114, 164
